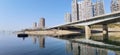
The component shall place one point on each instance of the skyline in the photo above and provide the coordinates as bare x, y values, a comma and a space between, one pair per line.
20, 14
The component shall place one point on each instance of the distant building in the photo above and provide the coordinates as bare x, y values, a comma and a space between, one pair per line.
68, 17
115, 5
35, 25
75, 12
85, 9
42, 23
98, 8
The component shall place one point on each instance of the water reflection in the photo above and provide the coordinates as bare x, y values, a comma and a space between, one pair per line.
34, 40
41, 41
69, 37
81, 49
76, 48
110, 38
23, 37
84, 49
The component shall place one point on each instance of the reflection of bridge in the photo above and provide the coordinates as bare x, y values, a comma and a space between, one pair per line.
77, 48
100, 20
82, 49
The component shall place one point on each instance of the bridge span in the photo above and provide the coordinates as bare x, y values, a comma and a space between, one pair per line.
97, 20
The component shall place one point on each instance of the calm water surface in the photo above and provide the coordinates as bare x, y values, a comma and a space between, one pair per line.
10, 44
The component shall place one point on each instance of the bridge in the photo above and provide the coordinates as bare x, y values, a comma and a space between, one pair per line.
97, 20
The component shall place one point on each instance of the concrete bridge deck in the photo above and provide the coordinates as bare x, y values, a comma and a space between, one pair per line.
101, 20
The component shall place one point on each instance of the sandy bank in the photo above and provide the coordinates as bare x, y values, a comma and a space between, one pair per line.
51, 32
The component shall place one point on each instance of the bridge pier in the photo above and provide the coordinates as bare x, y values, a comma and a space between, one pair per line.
58, 28
87, 32
105, 32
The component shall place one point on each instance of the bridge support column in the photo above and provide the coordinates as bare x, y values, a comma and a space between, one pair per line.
105, 32
87, 32
58, 28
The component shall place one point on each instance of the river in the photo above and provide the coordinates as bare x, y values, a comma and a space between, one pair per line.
10, 44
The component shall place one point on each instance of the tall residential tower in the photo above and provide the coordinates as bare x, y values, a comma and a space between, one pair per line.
98, 8
88, 9
35, 25
75, 14
81, 6
42, 23
68, 17
115, 5
85, 9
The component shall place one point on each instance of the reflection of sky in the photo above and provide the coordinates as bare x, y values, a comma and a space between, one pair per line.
17, 14
12, 45
111, 53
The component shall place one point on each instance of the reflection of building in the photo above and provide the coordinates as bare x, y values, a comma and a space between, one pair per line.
75, 15
34, 25
69, 46
41, 41
102, 52
42, 23
98, 8
68, 17
75, 48
82, 49
34, 40
115, 5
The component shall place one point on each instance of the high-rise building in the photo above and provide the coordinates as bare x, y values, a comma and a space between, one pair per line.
75, 14
42, 23
88, 9
95, 13
98, 8
115, 5
35, 25
85, 9
68, 17
81, 5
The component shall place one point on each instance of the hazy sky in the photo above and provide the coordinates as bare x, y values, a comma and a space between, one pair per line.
19, 14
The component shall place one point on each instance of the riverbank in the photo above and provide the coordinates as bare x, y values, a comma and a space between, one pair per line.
50, 32
65, 32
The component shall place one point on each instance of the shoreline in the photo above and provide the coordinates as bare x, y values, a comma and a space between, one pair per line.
65, 32
50, 32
